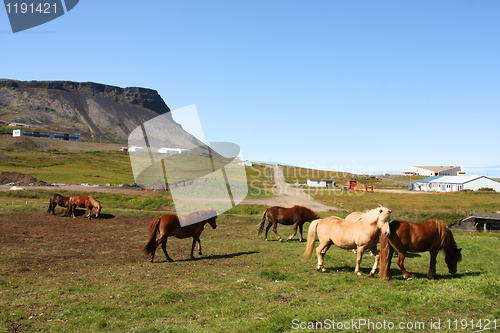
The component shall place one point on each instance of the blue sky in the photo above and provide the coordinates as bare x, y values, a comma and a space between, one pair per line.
360, 86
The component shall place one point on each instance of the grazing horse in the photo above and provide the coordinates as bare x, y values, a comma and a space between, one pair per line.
431, 235
84, 202
297, 215
58, 200
170, 225
362, 234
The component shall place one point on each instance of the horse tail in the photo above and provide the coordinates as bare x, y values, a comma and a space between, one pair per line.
150, 246
311, 239
50, 205
386, 252
261, 225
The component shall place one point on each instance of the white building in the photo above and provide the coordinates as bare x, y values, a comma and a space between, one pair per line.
456, 183
179, 151
435, 171
246, 163
320, 182
57, 136
135, 148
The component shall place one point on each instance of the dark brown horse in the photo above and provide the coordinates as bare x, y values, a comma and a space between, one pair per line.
190, 225
431, 235
58, 200
296, 216
83, 202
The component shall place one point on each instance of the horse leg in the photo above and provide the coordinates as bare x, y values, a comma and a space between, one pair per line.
164, 248
320, 252
199, 246
432, 265
268, 227
401, 264
374, 252
90, 212
301, 226
359, 257
295, 225
275, 228
196, 239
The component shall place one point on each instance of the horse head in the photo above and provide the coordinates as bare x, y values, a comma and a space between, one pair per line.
384, 217
210, 215
453, 256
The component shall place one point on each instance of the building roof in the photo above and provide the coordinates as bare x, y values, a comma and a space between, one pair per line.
437, 168
456, 179
428, 179
451, 179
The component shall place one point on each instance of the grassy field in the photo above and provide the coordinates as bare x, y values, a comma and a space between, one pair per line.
73, 275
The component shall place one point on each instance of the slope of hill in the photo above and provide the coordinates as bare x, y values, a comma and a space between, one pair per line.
107, 112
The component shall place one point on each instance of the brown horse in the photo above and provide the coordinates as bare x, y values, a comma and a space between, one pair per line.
170, 225
84, 202
297, 215
58, 200
362, 234
431, 235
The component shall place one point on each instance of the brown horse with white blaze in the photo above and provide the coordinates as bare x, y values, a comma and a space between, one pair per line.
83, 202
189, 225
361, 234
431, 235
296, 216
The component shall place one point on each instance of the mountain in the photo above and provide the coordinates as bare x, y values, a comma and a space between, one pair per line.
109, 113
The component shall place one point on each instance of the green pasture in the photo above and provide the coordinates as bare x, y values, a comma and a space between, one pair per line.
101, 282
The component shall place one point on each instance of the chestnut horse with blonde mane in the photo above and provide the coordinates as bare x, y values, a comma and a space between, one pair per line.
189, 225
431, 235
361, 234
83, 202
296, 216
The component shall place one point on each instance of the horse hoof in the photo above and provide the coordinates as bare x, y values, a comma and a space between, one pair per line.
358, 273
372, 273
281, 240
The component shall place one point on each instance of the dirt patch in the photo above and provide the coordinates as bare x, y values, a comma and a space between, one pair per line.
19, 179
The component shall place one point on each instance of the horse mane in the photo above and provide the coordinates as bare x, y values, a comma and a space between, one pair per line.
369, 213
94, 202
198, 216
447, 239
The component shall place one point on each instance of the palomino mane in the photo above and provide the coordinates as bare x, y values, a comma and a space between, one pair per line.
94, 202
372, 214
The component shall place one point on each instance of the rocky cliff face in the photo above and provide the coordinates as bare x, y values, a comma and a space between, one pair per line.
107, 112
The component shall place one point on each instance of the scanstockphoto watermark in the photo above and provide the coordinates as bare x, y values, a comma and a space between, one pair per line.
475, 325
170, 152
26, 14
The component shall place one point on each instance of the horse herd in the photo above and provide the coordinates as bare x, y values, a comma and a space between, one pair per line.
72, 202
359, 231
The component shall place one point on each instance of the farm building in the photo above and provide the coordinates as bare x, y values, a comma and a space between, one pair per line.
179, 151
455, 183
435, 171
480, 222
36, 134
320, 182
